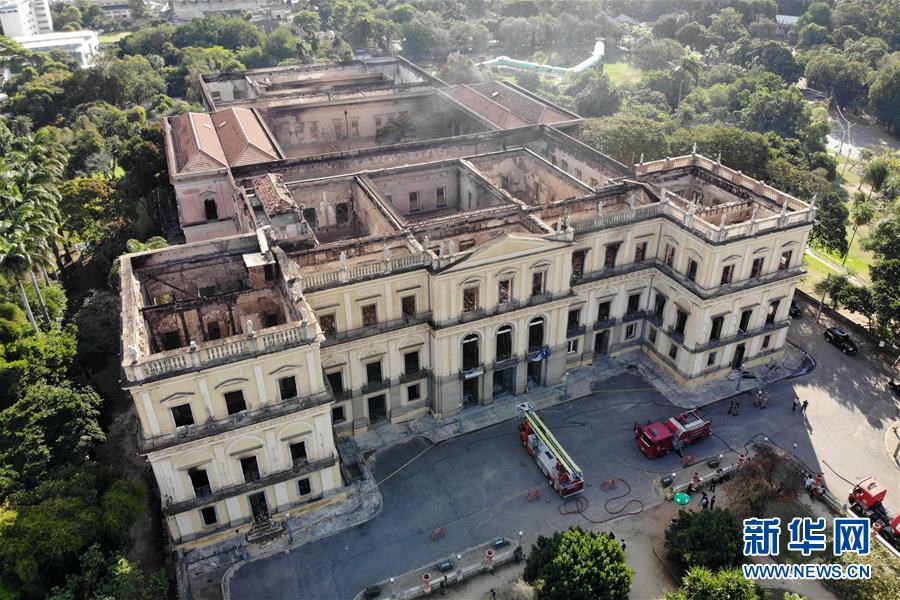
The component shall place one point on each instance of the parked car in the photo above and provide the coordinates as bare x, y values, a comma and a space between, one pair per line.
894, 384
794, 311
841, 339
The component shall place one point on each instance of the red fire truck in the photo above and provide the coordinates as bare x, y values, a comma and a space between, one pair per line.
867, 500
655, 439
563, 474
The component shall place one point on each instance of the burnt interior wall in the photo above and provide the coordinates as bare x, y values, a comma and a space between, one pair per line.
526, 178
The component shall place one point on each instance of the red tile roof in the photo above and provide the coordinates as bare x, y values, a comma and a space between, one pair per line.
498, 115
195, 143
243, 137
274, 196
531, 110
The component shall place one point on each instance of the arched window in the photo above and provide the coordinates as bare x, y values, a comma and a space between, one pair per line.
535, 334
504, 343
210, 208
471, 352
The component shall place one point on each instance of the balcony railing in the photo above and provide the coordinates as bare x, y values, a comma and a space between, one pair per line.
188, 433
414, 375
172, 508
500, 309
374, 386
741, 335
604, 323
229, 349
575, 331
382, 327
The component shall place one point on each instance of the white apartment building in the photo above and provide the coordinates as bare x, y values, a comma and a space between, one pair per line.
24, 18
326, 293
82, 46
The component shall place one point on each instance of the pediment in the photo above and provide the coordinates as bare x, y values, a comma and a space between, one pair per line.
504, 247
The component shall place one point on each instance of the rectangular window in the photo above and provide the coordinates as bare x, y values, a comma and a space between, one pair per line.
609, 256
504, 343
727, 274
537, 282
756, 268
710, 359
182, 415
603, 311
200, 482
630, 330
441, 198
640, 251
785, 261
269, 272
578, 263
634, 303
574, 320
328, 323
413, 202
680, 322
370, 315
298, 453
470, 298
171, 340
766, 340
572, 346
303, 487
408, 306
659, 305
342, 213
673, 351
692, 270
354, 127
373, 372
208, 516
745, 320
773, 311
210, 210
337, 414
651, 335
336, 381
287, 387
309, 215
271, 319
411, 362
669, 255
715, 331
504, 291
250, 468
413, 393
213, 331
234, 402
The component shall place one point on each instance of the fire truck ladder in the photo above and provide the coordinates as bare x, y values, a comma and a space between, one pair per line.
544, 434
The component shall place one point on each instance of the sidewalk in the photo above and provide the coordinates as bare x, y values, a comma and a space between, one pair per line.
585, 381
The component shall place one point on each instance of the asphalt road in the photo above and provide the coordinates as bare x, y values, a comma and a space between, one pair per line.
475, 486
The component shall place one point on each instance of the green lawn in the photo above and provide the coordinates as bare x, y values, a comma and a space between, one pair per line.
816, 271
621, 73
112, 36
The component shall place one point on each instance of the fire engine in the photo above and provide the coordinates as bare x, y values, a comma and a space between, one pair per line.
655, 439
867, 500
563, 474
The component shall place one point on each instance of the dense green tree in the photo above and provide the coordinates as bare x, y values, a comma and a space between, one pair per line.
817, 13
741, 150
876, 172
694, 35
859, 299
867, 50
727, 24
627, 137
884, 96
110, 577
98, 328
813, 35
231, 33
700, 583
578, 565
594, 95
837, 75
658, 54
783, 112
120, 506
708, 538
50, 427
420, 41
146, 41
307, 22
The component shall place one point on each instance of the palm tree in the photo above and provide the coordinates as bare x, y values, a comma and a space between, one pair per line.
862, 213
689, 66
14, 262
875, 174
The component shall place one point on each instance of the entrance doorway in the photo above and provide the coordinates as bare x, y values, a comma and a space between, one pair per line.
534, 373
505, 382
377, 409
470, 391
738, 357
258, 507
601, 342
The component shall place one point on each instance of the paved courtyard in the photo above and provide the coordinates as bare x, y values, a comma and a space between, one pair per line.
476, 485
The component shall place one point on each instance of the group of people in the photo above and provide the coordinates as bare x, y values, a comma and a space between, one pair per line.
761, 400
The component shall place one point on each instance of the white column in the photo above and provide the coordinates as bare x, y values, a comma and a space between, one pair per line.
167, 480
281, 495
260, 385
150, 413
388, 302
327, 479
207, 400
274, 452
224, 465
348, 312
233, 507
185, 524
